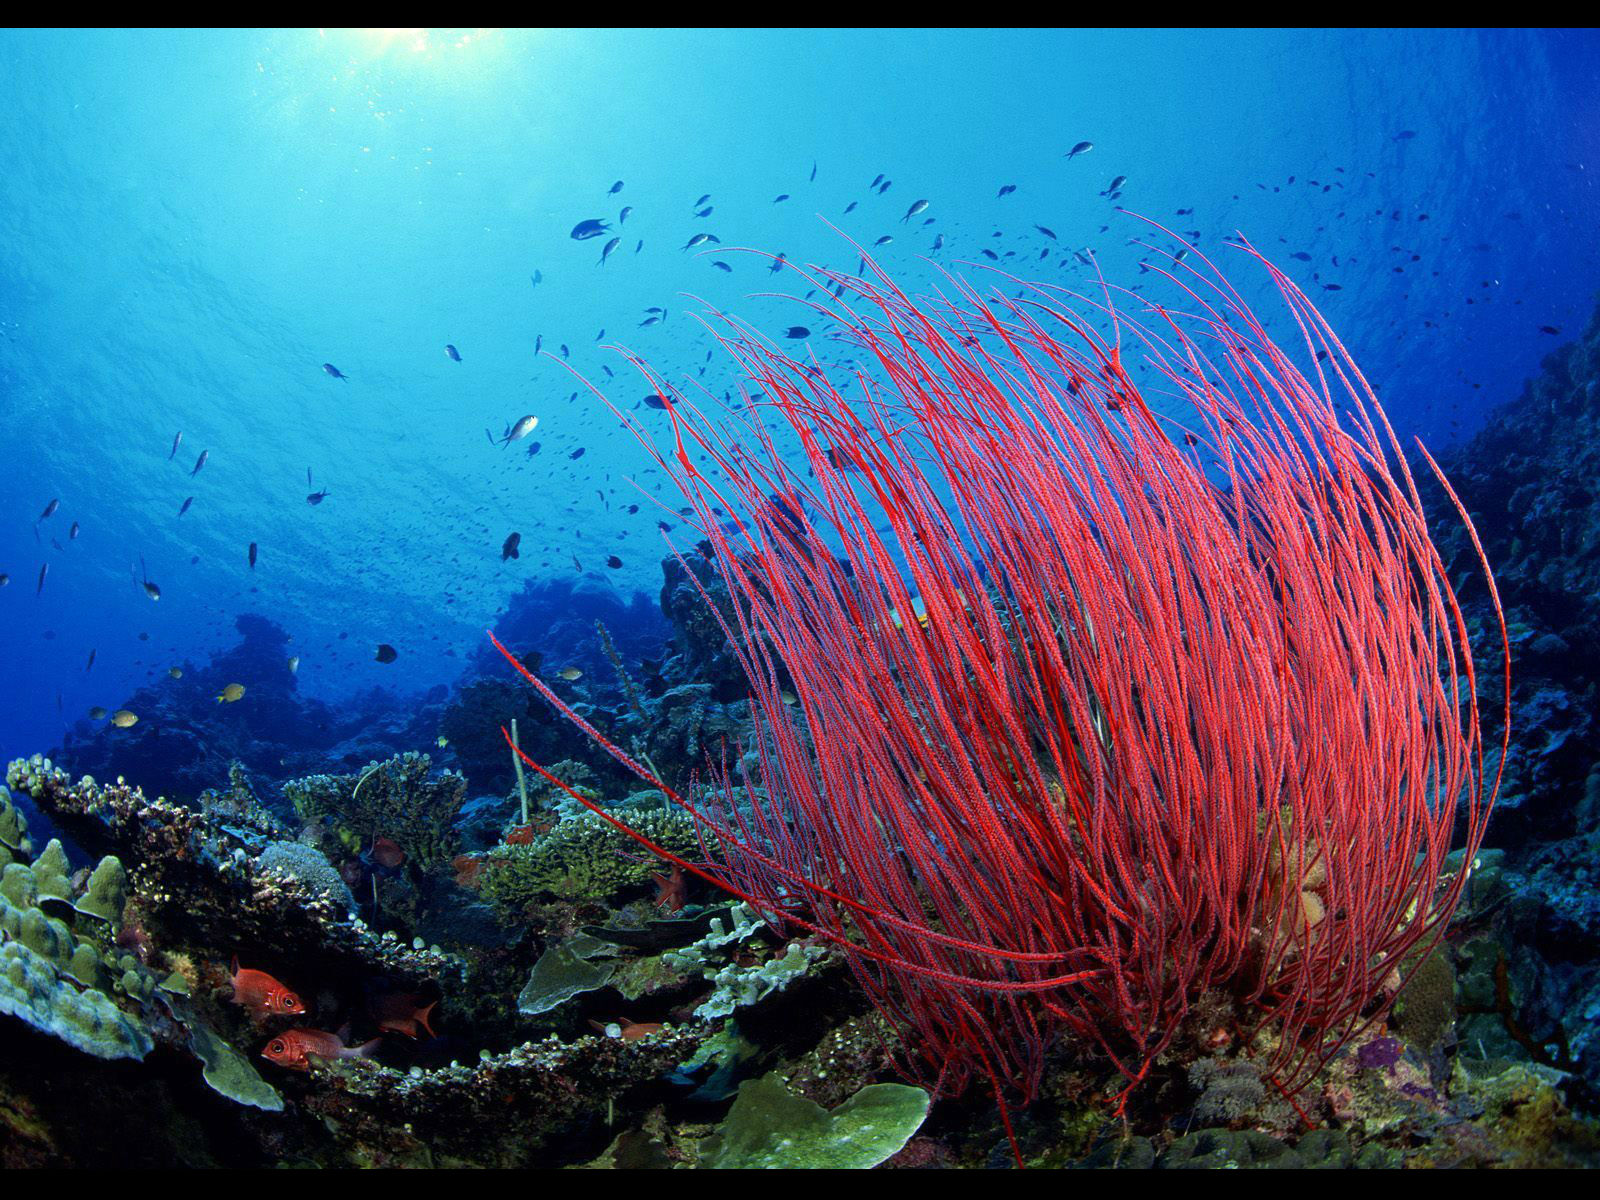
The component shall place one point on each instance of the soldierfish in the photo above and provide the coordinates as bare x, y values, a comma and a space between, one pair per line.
262, 995
294, 1047
401, 1012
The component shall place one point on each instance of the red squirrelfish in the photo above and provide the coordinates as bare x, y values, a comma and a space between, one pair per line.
261, 994
293, 1047
401, 1012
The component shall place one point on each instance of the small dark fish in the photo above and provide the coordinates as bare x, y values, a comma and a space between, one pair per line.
199, 462
186, 505
175, 441
584, 230
699, 239
316, 498
49, 510
1117, 184
508, 548
43, 571
386, 653
615, 188
1006, 191
1080, 148
781, 199
1552, 330
797, 332
455, 355
577, 454
919, 207
609, 250
72, 534
89, 666
813, 178
613, 562
335, 372
622, 217
1405, 135
5, 580
252, 556
536, 278
1049, 233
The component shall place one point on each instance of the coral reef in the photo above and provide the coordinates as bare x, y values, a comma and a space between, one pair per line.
185, 741
1530, 961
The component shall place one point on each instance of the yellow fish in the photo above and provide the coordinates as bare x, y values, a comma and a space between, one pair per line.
294, 664
571, 674
443, 742
97, 713
230, 693
175, 672
123, 719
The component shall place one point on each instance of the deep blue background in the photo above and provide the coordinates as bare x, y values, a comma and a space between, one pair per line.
190, 224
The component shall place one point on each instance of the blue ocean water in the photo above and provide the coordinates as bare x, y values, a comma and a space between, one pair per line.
192, 224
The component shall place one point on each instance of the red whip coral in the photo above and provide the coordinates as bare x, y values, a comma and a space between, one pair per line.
1099, 710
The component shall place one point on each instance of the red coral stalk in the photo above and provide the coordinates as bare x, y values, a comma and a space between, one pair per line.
1100, 709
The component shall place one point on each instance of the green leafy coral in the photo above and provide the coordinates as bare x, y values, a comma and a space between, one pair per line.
770, 1127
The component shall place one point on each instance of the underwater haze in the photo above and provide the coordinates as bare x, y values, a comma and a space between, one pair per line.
195, 222
799, 598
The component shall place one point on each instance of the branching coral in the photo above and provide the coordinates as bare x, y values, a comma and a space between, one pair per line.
398, 799
584, 858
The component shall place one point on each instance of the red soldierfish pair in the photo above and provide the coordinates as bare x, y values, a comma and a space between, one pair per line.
294, 1047
261, 995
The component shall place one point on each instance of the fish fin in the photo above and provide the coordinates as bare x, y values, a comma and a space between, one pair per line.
366, 1049
422, 1019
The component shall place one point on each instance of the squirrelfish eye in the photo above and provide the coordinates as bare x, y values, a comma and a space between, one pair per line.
291, 1001
277, 1046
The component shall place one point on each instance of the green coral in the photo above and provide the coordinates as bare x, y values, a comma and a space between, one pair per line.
583, 858
225, 1070
738, 986
771, 1127
32, 990
55, 982
13, 829
398, 799
106, 892
563, 972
